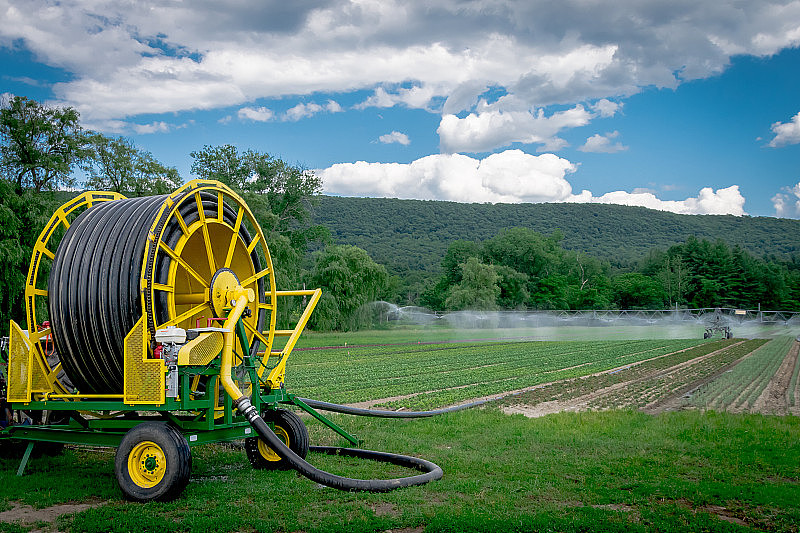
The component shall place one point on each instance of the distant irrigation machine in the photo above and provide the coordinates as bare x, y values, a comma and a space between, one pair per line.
716, 325
161, 336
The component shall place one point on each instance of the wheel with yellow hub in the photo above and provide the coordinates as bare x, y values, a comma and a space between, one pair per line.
153, 462
173, 259
290, 429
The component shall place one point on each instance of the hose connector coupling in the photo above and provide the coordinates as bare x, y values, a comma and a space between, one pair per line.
246, 408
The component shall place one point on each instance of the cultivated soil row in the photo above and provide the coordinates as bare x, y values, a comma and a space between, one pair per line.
667, 383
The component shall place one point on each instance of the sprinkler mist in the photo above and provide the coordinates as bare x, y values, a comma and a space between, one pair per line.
595, 324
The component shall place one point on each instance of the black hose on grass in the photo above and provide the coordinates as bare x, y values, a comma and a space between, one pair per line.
431, 471
357, 411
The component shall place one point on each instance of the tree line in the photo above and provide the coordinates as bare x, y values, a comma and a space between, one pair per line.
410, 237
523, 269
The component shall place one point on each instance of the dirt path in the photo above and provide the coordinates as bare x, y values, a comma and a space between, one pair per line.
25, 515
773, 400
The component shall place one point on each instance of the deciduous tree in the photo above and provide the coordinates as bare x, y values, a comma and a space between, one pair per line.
477, 289
115, 164
349, 279
39, 144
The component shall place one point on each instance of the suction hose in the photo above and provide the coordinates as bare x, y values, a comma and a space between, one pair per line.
431, 471
378, 413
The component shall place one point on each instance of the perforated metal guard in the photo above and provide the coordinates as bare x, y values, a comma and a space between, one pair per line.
19, 366
39, 381
144, 378
202, 350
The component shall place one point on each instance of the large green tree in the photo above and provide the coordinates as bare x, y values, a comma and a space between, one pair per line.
282, 194
39, 145
633, 290
115, 164
478, 288
349, 280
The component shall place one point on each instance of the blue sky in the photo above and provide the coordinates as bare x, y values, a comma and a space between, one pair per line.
685, 106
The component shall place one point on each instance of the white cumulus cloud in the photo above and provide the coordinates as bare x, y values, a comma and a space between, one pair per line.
603, 144
606, 108
153, 127
512, 176
491, 128
302, 110
395, 137
787, 203
132, 58
727, 201
256, 114
416, 97
786, 132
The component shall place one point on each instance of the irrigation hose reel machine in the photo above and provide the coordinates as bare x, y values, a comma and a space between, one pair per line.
161, 335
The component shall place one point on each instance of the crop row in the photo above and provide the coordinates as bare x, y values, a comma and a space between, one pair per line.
569, 389
741, 386
661, 385
794, 390
369, 373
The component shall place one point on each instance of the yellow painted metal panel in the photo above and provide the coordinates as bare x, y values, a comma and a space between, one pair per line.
143, 378
20, 362
202, 350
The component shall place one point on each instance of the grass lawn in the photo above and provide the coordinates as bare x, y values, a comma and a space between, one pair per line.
594, 471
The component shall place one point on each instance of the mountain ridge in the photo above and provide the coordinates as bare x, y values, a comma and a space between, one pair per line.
410, 237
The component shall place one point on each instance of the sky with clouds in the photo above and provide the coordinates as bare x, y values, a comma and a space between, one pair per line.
690, 106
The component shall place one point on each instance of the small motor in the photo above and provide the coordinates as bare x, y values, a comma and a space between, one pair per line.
169, 341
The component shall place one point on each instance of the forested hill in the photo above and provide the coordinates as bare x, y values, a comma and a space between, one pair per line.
413, 235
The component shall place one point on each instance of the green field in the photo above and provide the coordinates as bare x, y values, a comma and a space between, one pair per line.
446, 373
612, 470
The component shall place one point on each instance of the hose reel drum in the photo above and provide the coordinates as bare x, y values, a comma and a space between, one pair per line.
169, 259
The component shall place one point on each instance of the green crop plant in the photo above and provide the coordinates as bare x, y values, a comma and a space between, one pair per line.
791, 393
745, 382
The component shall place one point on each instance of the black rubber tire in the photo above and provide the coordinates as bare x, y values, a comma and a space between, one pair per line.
295, 431
177, 456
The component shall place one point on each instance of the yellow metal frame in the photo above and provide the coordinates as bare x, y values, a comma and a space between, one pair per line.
278, 372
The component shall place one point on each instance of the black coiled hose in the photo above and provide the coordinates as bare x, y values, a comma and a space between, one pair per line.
93, 290
431, 471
